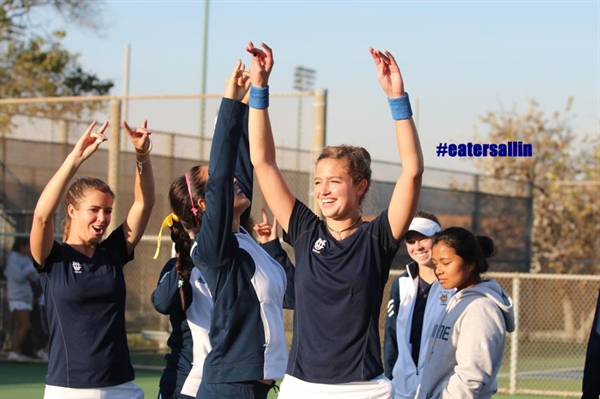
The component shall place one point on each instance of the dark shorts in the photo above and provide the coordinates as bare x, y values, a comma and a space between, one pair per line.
238, 390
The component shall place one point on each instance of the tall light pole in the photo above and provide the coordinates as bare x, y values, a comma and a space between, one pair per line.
203, 80
125, 104
304, 80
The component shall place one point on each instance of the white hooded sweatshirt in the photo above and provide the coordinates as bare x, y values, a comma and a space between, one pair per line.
466, 347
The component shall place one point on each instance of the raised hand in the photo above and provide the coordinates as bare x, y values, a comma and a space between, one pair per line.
388, 73
262, 64
265, 231
89, 142
139, 137
238, 83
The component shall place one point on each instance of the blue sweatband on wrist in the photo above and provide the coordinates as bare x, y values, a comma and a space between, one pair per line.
259, 97
400, 107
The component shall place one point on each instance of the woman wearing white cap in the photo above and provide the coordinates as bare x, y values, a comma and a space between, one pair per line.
416, 301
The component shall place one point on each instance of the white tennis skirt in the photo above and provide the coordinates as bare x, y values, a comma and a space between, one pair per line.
128, 390
377, 388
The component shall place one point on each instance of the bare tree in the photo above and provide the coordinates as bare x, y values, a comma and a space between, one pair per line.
34, 62
565, 178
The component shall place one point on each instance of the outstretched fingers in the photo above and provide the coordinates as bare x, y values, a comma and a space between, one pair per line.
389, 75
90, 141
264, 55
236, 85
139, 136
379, 57
374, 56
138, 132
268, 57
262, 64
255, 51
239, 68
242, 77
380, 62
98, 137
127, 128
90, 129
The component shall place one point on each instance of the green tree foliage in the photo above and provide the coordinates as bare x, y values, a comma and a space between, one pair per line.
564, 172
35, 64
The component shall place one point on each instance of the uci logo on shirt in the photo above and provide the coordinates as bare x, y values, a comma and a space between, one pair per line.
76, 267
319, 245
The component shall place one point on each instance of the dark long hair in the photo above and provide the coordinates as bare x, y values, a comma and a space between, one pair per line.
20, 242
181, 204
470, 247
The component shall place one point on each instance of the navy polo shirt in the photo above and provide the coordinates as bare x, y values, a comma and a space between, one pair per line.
167, 300
339, 288
85, 302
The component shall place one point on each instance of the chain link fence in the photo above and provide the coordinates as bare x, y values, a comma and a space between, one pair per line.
554, 314
34, 146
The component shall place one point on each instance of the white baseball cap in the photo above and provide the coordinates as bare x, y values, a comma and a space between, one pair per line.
425, 226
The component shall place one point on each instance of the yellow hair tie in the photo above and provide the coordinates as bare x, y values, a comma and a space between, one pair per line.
168, 221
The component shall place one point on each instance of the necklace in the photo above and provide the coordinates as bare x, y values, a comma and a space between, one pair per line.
339, 232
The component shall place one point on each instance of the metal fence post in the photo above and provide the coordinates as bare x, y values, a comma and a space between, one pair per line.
475, 223
63, 132
319, 138
170, 155
113, 157
514, 339
65, 149
528, 244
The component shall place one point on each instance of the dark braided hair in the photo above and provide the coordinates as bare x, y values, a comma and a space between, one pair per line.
181, 205
183, 262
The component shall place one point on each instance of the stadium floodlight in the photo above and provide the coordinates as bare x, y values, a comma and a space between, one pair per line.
304, 80
203, 78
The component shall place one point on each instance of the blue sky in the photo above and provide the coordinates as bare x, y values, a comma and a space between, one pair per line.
459, 59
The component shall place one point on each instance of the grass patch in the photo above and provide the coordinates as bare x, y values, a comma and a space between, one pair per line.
26, 380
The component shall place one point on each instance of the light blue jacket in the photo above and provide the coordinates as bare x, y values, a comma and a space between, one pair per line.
19, 273
466, 346
399, 363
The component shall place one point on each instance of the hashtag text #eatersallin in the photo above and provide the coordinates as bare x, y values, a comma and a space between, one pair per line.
508, 149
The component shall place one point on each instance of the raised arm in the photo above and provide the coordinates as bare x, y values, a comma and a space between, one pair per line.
42, 227
244, 172
278, 196
405, 197
216, 243
143, 192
